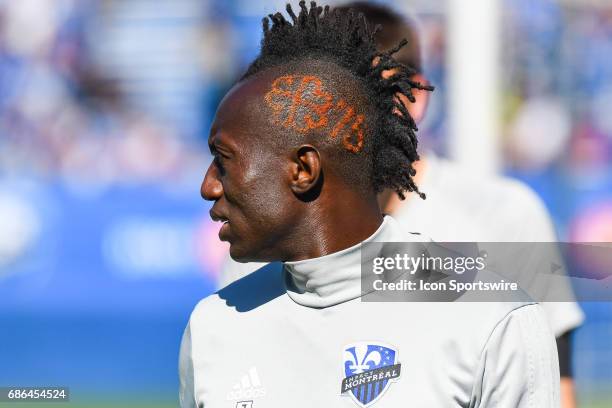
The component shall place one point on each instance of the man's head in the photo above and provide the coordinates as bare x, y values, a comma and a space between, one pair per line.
309, 135
395, 27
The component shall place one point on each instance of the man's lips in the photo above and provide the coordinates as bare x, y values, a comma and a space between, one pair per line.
223, 231
215, 216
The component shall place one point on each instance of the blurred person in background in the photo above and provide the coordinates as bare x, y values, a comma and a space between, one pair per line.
461, 206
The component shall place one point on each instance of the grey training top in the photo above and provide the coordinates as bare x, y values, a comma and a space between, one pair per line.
297, 334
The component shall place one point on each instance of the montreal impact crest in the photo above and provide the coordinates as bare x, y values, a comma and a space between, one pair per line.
369, 369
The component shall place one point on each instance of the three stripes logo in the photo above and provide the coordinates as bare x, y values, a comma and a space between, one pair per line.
247, 388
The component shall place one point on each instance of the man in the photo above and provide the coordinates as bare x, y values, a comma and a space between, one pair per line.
302, 145
460, 205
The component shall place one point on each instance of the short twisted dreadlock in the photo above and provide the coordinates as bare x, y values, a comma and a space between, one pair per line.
347, 40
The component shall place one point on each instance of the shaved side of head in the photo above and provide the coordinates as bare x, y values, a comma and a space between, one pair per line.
328, 87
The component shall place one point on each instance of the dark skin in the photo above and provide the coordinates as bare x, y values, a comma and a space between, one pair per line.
280, 201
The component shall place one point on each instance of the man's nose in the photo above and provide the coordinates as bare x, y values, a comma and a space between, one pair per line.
211, 189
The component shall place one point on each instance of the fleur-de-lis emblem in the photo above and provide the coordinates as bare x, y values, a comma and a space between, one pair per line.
361, 358
364, 357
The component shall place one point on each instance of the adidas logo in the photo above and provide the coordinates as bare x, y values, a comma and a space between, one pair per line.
248, 387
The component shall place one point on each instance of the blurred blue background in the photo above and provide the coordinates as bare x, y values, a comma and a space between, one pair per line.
105, 244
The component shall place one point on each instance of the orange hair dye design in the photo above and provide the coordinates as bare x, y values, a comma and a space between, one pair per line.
301, 103
279, 95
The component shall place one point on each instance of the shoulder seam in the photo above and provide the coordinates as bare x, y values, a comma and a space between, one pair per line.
484, 346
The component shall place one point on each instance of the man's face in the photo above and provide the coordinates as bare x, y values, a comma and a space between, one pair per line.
248, 178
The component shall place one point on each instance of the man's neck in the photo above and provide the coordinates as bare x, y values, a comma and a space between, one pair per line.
335, 224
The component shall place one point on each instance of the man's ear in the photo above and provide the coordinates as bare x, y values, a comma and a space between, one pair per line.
418, 108
306, 173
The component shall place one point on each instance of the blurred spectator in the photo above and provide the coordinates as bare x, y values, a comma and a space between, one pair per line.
62, 116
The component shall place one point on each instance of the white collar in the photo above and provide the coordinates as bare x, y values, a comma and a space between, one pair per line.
335, 278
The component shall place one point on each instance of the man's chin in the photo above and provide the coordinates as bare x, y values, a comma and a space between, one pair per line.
244, 255
239, 255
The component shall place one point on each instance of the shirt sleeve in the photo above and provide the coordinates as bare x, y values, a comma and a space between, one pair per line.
186, 385
519, 366
531, 222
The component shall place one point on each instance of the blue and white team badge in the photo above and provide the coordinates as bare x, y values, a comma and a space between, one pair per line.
369, 369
